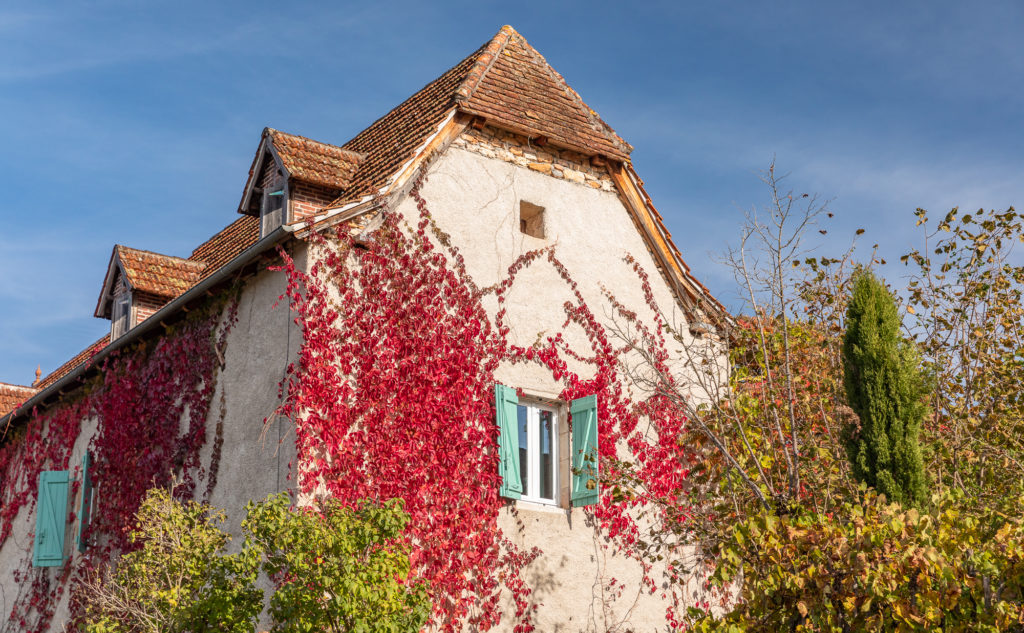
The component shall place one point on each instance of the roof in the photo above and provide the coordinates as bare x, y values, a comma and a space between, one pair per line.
505, 81
75, 361
313, 161
227, 244
13, 395
160, 275
512, 85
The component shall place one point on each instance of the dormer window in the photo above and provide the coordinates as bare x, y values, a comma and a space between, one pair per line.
120, 319
138, 283
271, 209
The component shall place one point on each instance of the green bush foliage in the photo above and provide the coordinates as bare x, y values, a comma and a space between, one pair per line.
873, 566
337, 569
886, 389
179, 579
334, 569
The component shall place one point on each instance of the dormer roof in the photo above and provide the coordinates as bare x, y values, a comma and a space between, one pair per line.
13, 395
313, 161
162, 276
301, 159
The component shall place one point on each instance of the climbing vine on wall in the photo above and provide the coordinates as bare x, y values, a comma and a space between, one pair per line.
151, 404
393, 397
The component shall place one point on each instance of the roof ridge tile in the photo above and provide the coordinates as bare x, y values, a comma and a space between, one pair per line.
484, 61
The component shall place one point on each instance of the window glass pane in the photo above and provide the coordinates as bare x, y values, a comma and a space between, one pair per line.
547, 457
524, 461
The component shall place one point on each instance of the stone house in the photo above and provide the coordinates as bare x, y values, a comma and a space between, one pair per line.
516, 161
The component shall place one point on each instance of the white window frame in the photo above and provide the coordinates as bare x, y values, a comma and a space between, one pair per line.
531, 491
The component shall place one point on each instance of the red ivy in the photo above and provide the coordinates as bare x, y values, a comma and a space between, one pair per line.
393, 397
151, 403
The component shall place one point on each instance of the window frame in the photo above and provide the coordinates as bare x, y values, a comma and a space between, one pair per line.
271, 219
121, 314
531, 487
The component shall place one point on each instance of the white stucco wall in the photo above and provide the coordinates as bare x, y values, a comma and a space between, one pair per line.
259, 347
476, 200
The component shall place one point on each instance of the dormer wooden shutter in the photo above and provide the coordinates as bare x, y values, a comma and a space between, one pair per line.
272, 211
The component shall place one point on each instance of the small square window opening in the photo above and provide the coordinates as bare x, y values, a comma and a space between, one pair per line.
531, 219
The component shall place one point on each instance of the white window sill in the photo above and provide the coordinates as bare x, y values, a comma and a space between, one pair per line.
539, 506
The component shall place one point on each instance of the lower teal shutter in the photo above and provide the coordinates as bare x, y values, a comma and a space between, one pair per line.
51, 519
584, 456
85, 505
506, 404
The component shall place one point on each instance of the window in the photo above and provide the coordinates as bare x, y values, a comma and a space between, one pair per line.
531, 219
119, 322
528, 451
85, 501
271, 210
538, 452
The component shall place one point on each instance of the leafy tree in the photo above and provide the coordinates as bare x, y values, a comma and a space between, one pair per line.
874, 566
334, 569
886, 388
337, 569
966, 304
179, 578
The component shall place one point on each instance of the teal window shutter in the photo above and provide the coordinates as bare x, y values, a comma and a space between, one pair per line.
585, 456
51, 519
85, 505
506, 405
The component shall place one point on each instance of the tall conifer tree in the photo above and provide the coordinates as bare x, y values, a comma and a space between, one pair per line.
885, 387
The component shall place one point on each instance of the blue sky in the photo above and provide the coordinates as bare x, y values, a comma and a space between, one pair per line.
135, 122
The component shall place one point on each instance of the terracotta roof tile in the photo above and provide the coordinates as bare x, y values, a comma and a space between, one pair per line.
392, 139
505, 81
227, 244
519, 90
315, 162
161, 275
13, 395
74, 362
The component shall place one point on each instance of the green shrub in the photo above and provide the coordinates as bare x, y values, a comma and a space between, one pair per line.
885, 387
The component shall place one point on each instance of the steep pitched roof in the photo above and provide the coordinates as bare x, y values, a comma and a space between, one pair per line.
161, 275
13, 395
512, 85
505, 81
313, 161
394, 138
